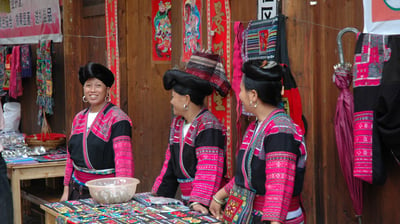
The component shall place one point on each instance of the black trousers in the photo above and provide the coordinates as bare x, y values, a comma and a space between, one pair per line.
6, 205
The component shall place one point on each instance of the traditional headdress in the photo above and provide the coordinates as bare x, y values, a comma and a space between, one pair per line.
203, 72
98, 71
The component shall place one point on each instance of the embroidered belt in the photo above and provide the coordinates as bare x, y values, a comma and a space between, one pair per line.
93, 171
77, 181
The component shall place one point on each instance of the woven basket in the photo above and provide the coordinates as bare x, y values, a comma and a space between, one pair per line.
48, 141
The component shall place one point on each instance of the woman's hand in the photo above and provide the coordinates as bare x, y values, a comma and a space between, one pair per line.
64, 196
217, 202
200, 208
216, 210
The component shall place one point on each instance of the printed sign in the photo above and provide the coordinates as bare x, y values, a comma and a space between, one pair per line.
30, 21
267, 9
382, 17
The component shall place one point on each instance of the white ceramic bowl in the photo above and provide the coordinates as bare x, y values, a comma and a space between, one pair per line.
112, 190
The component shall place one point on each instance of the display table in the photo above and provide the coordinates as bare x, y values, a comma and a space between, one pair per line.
88, 211
18, 172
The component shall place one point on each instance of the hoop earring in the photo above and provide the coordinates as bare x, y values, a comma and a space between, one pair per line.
84, 99
185, 106
107, 98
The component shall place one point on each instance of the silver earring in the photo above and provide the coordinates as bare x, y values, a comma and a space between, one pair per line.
84, 99
108, 98
185, 106
255, 105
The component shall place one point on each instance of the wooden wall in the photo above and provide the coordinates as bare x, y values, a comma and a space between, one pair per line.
148, 103
311, 37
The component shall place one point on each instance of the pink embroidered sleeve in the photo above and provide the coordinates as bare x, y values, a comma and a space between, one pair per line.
68, 170
209, 172
159, 179
280, 175
124, 166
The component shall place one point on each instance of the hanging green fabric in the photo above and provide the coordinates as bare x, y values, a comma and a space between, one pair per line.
44, 80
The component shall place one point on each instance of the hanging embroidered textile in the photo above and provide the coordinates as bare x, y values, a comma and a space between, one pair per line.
112, 48
191, 28
26, 61
161, 30
261, 40
15, 89
3, 53
44, 80
6, 83
219, 41
371, 53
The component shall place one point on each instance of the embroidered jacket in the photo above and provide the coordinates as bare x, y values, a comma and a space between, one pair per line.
106, 145
195, 162
276, 167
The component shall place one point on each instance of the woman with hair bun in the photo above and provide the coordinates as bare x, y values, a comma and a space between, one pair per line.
195, 156
99, 145
271, 160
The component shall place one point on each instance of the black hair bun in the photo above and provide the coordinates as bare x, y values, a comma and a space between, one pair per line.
175, 77
259, 70
95, 70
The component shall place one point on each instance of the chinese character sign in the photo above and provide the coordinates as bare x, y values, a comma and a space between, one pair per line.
29, 21
111, 8
219, 42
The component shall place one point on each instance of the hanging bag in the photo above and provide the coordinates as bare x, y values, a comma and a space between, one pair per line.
261, 40
239, 207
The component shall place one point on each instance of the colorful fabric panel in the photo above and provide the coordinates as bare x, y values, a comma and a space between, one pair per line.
260, 40
371, 53
44, 80
3, 53
26, 61
15, 89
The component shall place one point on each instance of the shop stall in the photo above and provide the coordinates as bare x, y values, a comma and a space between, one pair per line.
138, 210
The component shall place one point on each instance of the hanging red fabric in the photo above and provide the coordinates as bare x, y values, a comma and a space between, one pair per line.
219, 42
112, 47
